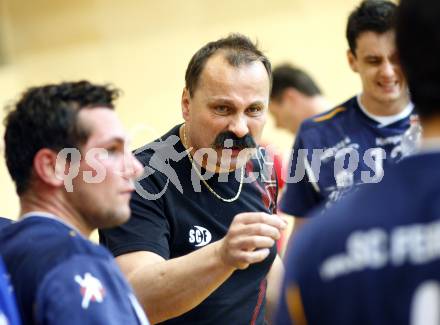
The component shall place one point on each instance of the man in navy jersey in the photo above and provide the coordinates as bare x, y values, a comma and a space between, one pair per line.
66, 151
201, 239
350, 145
374, 258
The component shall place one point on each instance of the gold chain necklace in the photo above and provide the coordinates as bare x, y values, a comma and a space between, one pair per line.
232, 199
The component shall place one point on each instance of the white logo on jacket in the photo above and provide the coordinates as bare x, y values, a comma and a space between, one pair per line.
199, 236
91, 289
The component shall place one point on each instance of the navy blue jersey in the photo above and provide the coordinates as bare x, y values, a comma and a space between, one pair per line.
8, 309
336, 151
60, 277
174, 214
4, 222
374, 258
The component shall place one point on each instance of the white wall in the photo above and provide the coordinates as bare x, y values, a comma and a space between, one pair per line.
143, 47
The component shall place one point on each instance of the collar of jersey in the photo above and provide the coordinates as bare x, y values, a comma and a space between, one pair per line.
384, 121
42, 214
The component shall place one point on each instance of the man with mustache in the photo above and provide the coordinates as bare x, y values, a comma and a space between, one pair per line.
198, 251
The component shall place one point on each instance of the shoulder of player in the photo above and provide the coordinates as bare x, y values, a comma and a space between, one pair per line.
324, 129
326, 233
39, 246
83, 261
5, 222
321, 236
328, 118
359, 210
73, 278
35, 237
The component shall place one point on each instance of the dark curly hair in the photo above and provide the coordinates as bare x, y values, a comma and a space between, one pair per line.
371, 15
47, 117
239, 50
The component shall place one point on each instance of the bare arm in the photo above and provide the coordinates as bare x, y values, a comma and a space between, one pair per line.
274, 282
293, 225
170, 288
298, 223
166, 289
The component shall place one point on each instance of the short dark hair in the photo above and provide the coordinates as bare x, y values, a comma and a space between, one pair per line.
47, 117
418, 44
371, 15
239, 50
286, 76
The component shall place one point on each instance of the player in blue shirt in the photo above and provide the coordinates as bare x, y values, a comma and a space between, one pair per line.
374, 257
351, 144
66, 151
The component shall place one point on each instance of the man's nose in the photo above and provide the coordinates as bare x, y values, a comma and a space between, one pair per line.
239, 126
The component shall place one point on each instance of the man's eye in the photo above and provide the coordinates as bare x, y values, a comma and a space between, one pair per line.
113, 149
373, 62
254, 110
222, 109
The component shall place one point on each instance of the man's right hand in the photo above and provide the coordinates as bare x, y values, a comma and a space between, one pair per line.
249, 238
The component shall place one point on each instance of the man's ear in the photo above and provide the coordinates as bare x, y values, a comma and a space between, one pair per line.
352, 60
186, 102
44, 166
